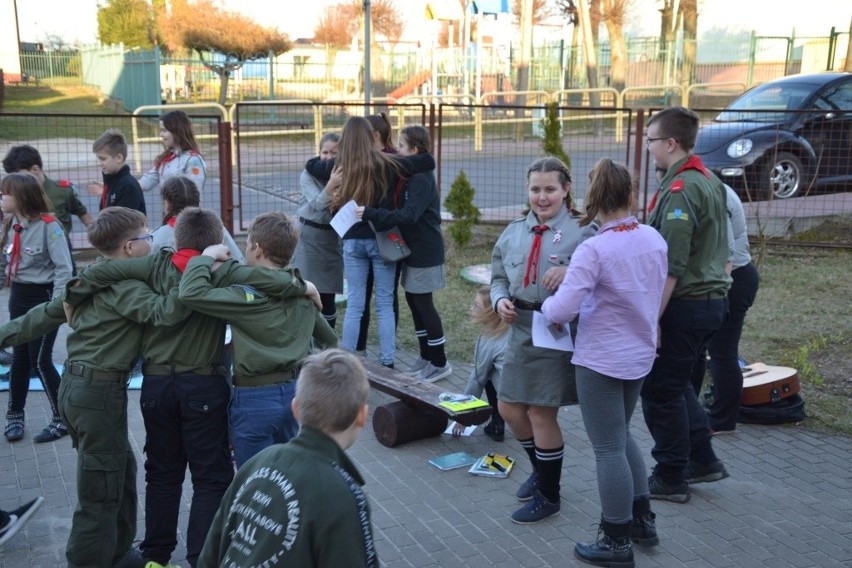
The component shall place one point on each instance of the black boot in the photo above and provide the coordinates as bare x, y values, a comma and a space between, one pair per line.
612, 550
496, 428
644, 529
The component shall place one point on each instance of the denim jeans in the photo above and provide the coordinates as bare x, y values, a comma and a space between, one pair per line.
723, 347
358, 256
186, 423
260, 417
674, 417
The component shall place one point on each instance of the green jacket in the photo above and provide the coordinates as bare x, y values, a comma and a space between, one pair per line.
198, 340
294, 504
64, 202
106, 329
271, 334
690, 214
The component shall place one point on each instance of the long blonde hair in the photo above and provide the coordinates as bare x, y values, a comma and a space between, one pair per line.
487, 318
364, 169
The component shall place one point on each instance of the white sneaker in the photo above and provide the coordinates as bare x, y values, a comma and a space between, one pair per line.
430, 373
418, 365
18, 517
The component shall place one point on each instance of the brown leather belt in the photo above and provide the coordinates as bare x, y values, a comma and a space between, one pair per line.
168, 370
85, 372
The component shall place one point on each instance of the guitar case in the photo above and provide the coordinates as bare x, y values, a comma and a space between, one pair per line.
766, 384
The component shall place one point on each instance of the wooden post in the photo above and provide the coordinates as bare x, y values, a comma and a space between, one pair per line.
397, 422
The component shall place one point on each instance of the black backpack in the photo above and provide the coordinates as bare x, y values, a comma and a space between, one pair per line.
790, 409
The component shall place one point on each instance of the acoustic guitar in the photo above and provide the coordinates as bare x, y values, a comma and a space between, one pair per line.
764, 384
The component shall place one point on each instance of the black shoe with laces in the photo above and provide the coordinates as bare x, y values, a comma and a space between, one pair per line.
678, 493
643, 530
495, 429
610, 550
18, 517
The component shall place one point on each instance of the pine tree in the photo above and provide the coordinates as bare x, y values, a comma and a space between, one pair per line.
552, 142
459, 202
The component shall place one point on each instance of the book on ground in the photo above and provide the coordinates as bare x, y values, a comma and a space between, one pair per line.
452, 461
493, 465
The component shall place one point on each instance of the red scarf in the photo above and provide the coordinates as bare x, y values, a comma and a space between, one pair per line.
15, 253
535, 251
692, 163
104, 196
171, 222
182, 256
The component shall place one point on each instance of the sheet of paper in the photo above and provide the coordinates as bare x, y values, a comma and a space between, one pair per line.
345, 218
550, 335
468, 430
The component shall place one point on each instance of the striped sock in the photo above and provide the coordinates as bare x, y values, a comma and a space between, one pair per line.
550, 471
529, 447
436, 350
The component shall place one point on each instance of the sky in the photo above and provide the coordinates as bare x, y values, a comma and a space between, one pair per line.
75, 20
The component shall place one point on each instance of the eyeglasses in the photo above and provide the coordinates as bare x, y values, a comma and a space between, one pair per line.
149, 237
649, 140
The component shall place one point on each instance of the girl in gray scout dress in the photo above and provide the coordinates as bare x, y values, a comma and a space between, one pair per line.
36, 264
527, 265
319, 253
180, 157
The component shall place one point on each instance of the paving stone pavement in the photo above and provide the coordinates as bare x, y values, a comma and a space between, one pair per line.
788, 502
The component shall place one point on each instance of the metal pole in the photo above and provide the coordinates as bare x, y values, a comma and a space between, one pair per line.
367, 86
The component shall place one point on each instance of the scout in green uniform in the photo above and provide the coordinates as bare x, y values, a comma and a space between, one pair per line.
271, 335
184, 395
102, 347
690, 213
301, 503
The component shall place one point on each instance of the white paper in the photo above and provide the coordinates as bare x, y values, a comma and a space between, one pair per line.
544, 336
468, 430
345, 218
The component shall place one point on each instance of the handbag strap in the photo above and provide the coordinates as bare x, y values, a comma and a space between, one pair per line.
399, 183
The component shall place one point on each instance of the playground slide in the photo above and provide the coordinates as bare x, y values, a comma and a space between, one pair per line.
409, 86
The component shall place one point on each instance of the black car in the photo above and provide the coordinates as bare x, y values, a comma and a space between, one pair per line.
783, 137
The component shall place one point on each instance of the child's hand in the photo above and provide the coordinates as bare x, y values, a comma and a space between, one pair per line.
334, 181
95, 188
553, 277
69, 312
359, 211
457, 429
312, 293
217, 252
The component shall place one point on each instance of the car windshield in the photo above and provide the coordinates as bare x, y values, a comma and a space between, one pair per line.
763, 103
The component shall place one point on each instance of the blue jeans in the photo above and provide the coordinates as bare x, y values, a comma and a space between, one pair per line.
358, 256
727, 387
259, 417
186, 423
674, 417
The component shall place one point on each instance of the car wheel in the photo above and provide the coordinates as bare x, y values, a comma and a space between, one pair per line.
785, 175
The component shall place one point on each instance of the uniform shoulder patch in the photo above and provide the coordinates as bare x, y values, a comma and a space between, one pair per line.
677, 214
677, 186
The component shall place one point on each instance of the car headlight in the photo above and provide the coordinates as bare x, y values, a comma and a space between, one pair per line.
739, 148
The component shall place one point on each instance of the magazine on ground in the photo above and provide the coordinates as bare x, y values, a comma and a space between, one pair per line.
452, 461
493, 465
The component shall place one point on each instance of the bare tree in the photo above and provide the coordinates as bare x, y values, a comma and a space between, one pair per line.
340, 23
540, 10
689, 8
224, 40
614, 12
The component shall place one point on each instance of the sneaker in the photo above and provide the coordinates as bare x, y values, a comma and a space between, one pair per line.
418, 365
537, 509
661, 490
643, 531
430, 373
704, 473
18, 517
5, 358
528, 487
54, 431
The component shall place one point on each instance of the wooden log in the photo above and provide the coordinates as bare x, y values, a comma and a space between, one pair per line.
397, 422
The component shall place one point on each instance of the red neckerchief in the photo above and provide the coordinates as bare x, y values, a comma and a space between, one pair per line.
535, 251
104, 196
182, 256
171, 222
15, 253
653, 201
694, 163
